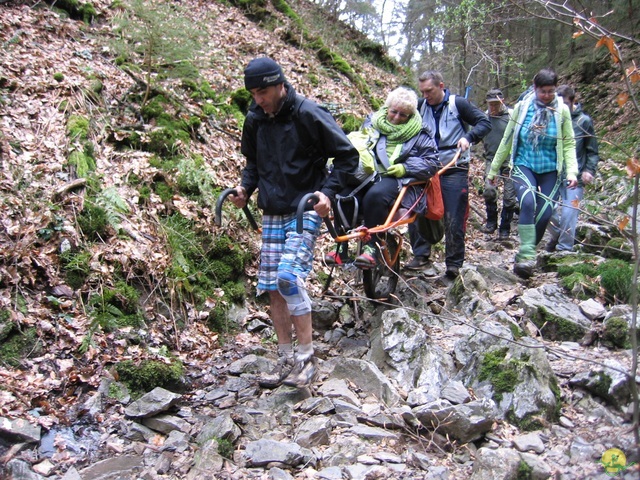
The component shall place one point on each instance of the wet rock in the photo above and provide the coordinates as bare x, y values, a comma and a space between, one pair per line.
468, 294
250, 364
21, 470
609, 382
276, 473
166, 424
317, 406
156, 401
592, 309
313, 432
19, 430
323, 314
517, 376
373, 434
368, 377
465, 423
405, 354
455, 392
529, 442
207, 462
222, 427
113, 468
177, 441
337, 388
557, 317
263, 452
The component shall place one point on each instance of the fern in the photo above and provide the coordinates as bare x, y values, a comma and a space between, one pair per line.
113, 205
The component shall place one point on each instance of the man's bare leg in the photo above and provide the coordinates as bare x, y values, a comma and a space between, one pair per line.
280, 317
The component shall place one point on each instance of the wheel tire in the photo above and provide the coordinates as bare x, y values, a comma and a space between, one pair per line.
380, 282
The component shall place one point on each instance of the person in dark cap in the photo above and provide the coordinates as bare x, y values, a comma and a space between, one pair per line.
287, 140
498, 114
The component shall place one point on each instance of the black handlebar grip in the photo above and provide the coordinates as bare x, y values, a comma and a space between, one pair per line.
223, 196
307, 203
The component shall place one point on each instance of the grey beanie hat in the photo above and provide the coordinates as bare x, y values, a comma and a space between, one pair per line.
262, 72
495, 95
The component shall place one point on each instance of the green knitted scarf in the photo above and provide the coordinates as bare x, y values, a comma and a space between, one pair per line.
396, 133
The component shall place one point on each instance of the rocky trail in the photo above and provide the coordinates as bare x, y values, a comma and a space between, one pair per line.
390, 401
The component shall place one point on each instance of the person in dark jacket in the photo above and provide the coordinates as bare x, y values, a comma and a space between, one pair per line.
562, 226
498, 114
404, 151
287, 140
448, 116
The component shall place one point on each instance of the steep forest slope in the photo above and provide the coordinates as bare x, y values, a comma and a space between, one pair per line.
107, 204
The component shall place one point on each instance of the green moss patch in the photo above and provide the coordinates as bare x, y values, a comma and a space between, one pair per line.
556, 328
17, 345
616, 333
148, 374
75, 265
78, 127
204, 268
502, 375
116, 307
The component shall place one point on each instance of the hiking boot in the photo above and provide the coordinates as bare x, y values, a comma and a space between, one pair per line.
551, 246
418, 263
422, 265
274, 378
452, 272
490, 227
524, 269
503, 235
333, 258
304, 372
367, 259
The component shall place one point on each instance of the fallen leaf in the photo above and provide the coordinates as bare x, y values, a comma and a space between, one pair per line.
633, 167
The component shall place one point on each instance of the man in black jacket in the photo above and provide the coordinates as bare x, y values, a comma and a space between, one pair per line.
563, 223
287, 140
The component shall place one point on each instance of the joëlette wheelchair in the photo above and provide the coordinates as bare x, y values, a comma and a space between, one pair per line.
379, 282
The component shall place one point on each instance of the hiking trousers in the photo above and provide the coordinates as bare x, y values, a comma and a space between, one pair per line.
455, 195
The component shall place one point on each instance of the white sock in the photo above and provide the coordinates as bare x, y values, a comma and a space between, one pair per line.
304, 351
285, 350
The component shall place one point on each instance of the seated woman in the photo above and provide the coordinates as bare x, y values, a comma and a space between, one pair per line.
404, 151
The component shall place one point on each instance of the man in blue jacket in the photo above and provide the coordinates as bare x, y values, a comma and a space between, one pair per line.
448, 116
287, 140
562, 226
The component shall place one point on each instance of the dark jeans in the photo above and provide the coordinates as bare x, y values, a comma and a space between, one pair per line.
537, 194
455, 195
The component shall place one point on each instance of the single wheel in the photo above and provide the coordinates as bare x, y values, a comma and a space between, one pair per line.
380, 282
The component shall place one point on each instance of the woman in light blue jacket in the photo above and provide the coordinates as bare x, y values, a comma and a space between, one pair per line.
541, 148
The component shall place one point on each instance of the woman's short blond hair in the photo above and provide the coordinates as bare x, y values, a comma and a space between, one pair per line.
404, 98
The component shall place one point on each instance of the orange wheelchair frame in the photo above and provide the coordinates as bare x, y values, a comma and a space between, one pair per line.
379, 282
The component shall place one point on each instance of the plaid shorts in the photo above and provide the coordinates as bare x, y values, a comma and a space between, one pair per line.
283, 249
